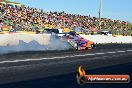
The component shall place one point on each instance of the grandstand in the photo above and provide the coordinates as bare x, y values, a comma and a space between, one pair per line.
16, 17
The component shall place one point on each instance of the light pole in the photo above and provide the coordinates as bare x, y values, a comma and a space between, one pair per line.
100, 13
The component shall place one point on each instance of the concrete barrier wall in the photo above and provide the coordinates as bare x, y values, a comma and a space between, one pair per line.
13, 39
102, 39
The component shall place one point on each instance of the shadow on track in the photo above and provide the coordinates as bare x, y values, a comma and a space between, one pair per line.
69, 80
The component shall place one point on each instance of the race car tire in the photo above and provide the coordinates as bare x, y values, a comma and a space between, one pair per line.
78, 48
93, 46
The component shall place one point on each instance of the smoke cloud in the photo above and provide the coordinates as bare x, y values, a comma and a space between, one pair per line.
21, 43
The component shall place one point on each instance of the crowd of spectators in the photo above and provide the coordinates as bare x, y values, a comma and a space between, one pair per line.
30, 19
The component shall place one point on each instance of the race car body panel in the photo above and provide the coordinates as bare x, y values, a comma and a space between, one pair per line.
78, 42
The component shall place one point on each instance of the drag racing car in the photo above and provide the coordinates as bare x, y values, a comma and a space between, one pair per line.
78, 42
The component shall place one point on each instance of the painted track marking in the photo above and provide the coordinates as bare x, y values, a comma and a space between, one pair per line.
111, 52
121, 51
99, 53
129, 50
39, 59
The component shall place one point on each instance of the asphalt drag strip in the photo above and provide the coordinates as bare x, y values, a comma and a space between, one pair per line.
47, 65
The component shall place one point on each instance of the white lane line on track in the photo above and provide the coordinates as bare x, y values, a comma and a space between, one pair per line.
111, 52
85, 55
39, 59
121, 51
100, 53
129, 50
26, 60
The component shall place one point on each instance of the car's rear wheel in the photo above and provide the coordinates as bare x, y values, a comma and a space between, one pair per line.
78, 48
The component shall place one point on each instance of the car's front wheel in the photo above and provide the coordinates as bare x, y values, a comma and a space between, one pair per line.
92, 46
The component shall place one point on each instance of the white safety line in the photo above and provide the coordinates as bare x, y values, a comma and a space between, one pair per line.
26, 60
129, 50
121, 51
85, 55
99, 53
61, 57
111, 52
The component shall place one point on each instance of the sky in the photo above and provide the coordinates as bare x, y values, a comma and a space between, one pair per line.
113, 9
